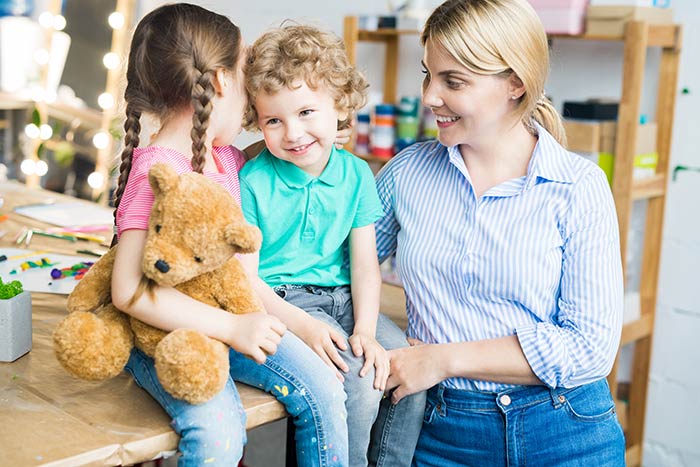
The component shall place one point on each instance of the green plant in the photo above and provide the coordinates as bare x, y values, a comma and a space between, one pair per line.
9, 290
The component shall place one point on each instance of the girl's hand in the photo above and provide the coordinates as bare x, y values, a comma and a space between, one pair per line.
415, 369
257, 335
363, 344
323, 339
343, 136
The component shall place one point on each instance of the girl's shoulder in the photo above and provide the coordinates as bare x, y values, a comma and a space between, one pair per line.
232, 158
146, 157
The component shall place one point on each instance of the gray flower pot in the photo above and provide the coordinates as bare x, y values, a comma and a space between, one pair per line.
15, 327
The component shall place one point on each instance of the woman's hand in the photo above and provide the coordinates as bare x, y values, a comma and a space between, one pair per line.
256, 335
415, 369
325, 341
367, 345
343, 136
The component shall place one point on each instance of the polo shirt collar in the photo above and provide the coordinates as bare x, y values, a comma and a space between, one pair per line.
294, 177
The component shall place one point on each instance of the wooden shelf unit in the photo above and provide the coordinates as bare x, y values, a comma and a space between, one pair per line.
638, 37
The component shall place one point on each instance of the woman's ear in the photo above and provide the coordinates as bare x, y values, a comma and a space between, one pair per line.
516, 88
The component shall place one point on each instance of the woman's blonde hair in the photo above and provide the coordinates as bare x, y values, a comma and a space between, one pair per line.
499, 37
283, 56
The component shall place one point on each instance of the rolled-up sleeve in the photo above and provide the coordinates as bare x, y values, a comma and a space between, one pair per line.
580, 345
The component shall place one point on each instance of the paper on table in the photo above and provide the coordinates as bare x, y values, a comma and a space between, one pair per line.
68, 214
39, 279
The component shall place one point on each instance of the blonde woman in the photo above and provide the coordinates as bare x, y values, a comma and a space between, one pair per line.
508, 249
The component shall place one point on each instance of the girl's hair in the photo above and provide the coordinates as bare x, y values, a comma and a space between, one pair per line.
499, 37
175, 53
283, 56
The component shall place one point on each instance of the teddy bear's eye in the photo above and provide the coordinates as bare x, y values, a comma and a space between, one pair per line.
198, 259
158, 227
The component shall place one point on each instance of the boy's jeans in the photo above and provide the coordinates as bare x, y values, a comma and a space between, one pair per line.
395, 432
213, 433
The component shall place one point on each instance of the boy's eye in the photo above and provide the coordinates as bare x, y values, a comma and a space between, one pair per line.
306, 112
273, 121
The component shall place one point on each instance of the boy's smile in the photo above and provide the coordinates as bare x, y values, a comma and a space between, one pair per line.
299, 125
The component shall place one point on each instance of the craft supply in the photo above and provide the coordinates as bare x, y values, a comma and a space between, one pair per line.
4, 217
77, 271
97, 253
43, 233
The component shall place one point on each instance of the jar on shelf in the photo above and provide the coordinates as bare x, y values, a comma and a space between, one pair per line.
362, 134
383, 132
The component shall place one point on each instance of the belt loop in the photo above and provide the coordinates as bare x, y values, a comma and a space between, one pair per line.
558, 398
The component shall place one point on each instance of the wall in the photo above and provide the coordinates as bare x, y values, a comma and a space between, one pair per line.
580, 70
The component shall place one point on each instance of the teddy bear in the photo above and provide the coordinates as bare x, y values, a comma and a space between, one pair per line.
195, 230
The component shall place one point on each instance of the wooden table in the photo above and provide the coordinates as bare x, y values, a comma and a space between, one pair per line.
48, 417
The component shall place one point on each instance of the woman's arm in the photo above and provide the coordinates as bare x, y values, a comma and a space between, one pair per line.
421, 366
253, 334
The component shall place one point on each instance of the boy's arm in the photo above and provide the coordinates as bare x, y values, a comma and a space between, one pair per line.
320, 337
366, 287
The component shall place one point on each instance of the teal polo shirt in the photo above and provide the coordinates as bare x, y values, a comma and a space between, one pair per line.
306, 221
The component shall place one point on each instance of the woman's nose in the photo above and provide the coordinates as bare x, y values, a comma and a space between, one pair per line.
431, 97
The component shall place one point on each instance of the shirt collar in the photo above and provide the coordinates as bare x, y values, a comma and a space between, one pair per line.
294, 177
549, 160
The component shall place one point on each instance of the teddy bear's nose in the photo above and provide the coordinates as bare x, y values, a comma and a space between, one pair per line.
162, 266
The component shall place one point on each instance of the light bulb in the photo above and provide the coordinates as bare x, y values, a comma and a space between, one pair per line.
41, 168
95, 180
32, 131
45, 131
116, 20
28, 167
59, 22
105, 101
111, 61
46, 19
100, 140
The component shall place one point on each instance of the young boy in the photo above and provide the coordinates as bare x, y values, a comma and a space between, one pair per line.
316, 206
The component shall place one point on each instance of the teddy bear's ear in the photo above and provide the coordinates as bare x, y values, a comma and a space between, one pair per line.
246, 238
162, 178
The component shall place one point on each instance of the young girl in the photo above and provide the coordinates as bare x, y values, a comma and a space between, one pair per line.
316, 208
185, 68
508, 248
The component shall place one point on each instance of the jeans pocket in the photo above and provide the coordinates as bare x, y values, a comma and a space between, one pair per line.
429, 414
590, 408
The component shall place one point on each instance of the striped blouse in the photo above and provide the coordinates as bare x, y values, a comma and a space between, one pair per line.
537, 257
135, 206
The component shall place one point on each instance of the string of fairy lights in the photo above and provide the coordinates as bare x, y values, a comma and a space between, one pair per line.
102, 140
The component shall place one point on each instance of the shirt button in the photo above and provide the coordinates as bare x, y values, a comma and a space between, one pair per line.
505, 399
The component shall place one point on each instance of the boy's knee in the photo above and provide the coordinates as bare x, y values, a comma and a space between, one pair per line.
218, 440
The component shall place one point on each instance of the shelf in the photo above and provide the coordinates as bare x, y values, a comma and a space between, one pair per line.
652, 187
637, 329
380, 35
660, 35
374, 158
89, 117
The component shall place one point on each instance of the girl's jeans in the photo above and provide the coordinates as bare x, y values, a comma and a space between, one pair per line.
525, 426
394, 429
213, 433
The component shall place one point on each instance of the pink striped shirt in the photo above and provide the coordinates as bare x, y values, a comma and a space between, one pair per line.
137, 200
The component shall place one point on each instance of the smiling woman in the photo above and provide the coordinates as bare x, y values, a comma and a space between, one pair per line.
508, 249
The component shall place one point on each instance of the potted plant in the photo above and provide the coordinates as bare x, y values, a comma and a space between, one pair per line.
15, 321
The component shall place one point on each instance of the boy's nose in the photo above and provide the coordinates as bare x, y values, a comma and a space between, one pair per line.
293, 132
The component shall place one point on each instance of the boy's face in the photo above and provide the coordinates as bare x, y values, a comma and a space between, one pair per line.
299, 125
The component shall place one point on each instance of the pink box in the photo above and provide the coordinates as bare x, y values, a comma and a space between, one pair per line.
561, 16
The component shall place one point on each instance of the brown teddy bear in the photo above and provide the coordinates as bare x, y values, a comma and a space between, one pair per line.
195, 230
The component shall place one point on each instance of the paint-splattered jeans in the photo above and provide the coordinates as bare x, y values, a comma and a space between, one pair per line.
213, 433
380, 434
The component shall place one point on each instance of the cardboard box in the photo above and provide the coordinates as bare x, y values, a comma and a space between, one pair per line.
582, 136
609, 21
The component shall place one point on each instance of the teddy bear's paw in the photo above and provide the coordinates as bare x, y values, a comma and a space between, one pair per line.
191, 366
93, 346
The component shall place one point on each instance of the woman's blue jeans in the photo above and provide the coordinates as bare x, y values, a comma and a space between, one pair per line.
380, 434
525, 426
213, 433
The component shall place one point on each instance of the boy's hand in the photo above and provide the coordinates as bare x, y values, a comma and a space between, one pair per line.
257, 335
323, 340
367, 345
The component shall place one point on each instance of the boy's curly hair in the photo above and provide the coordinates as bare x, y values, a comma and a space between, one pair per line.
291, 53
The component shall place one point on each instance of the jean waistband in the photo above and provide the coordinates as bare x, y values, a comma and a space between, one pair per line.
509, 399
